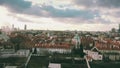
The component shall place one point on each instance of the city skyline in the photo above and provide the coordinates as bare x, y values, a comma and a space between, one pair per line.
85, 15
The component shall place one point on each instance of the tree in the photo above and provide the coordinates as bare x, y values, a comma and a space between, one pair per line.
81, 51
17, 40
78, 51
0, 32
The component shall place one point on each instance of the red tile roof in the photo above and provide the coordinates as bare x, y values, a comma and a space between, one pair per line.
108, 44
63, 46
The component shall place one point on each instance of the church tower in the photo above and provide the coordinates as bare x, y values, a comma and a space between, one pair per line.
77, 41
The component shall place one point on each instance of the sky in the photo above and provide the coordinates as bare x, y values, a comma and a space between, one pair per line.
84, 15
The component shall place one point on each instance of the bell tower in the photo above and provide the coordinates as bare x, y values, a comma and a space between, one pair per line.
77, 41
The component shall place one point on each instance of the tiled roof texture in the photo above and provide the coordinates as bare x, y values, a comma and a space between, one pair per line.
63, 46
107, 44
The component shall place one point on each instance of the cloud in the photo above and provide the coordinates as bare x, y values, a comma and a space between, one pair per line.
109, 3
98, 3
23, 19
26, 7
16, 5
71, 16
66, 12
50, 11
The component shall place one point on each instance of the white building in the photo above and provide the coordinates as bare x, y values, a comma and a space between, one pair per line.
54, 65
53, 50
11, 53
11, 67
23, 53
94, 54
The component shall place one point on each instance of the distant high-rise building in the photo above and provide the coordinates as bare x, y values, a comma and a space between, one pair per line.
12, 26
119, 28
6, 29
25, 27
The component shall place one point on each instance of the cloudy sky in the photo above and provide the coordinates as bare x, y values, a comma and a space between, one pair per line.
85, 15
